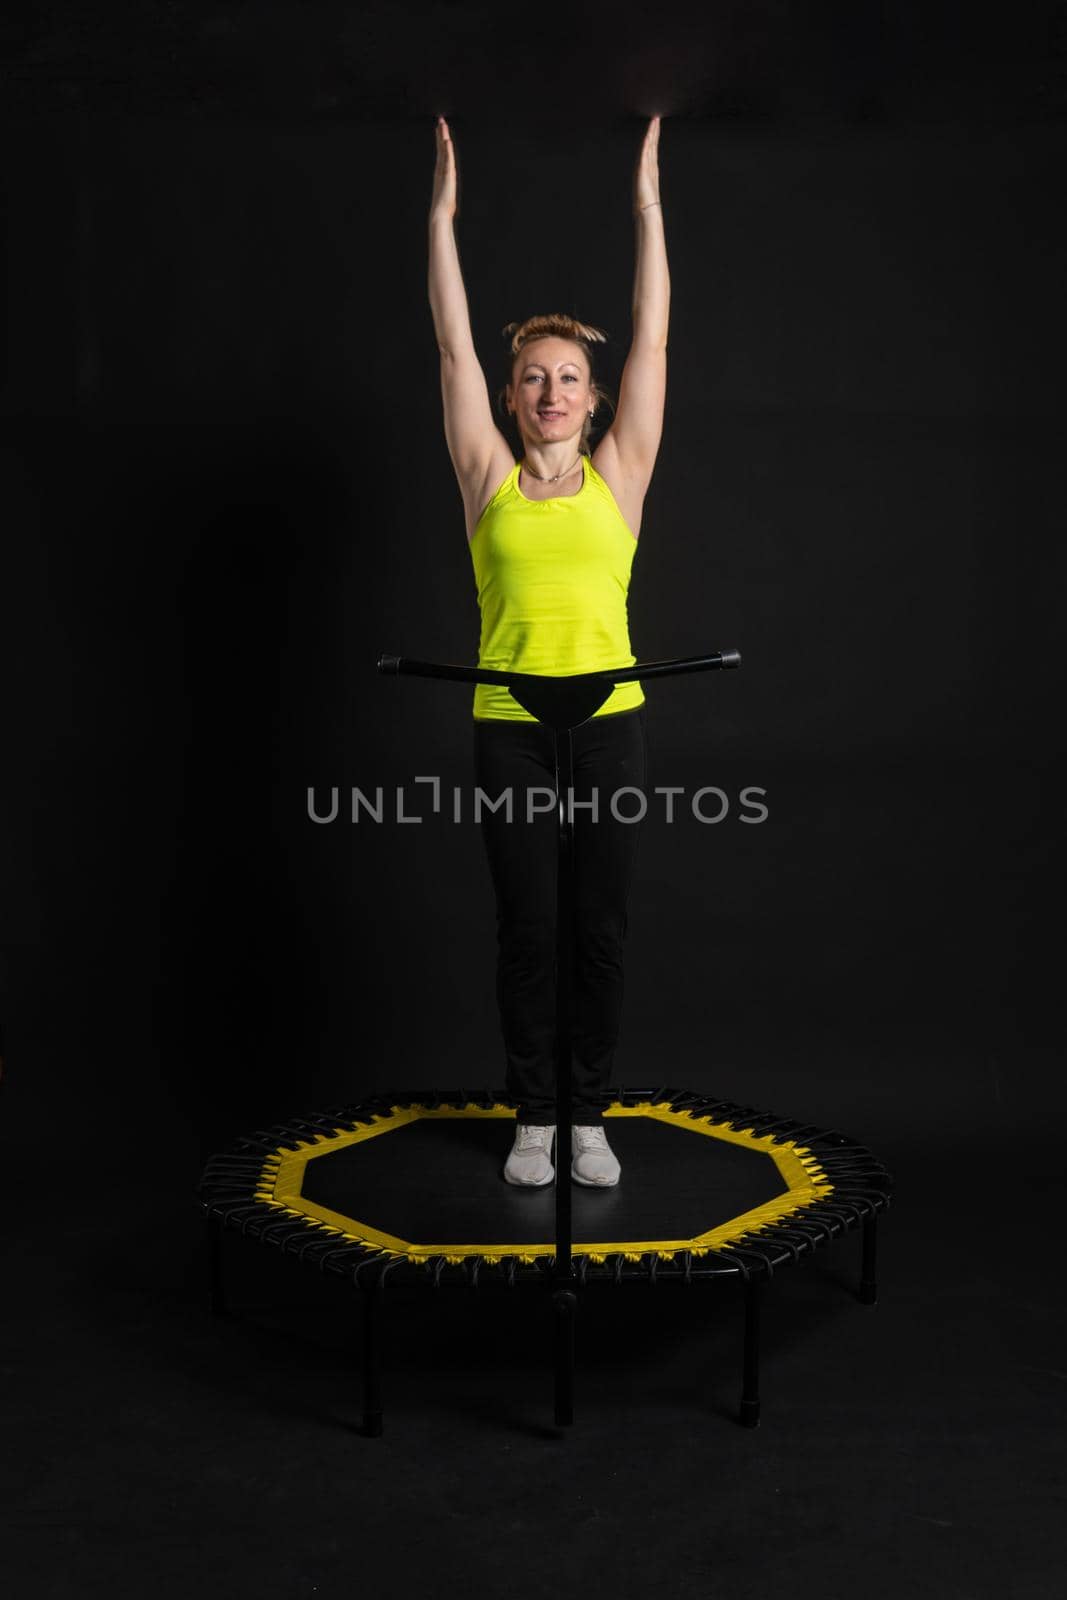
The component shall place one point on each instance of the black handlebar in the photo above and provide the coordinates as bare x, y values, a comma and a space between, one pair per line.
642, 669
563, 701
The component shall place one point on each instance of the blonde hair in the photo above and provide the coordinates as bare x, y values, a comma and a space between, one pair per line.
555, 325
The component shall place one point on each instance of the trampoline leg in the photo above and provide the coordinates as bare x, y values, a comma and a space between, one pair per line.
372, 1363
749, 1414
868, 1291
564, 1305
216, 1287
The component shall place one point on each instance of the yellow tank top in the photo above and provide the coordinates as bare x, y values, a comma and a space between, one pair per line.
552, 579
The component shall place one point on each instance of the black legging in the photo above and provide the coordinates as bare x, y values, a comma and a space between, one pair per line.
609, 755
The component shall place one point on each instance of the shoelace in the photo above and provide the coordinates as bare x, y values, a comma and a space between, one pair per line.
530, 1135
591, 1138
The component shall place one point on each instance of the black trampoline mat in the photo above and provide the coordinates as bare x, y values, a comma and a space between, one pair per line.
440, 1182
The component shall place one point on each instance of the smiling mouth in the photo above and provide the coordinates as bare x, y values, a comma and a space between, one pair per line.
550, 414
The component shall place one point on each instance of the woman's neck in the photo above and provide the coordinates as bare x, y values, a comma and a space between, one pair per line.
552, 464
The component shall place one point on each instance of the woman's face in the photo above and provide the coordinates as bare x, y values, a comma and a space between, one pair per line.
550, 392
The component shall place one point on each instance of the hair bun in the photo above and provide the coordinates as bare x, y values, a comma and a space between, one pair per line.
555, 325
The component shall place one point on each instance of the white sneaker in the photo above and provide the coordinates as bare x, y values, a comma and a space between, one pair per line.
595, 1163
530, 1161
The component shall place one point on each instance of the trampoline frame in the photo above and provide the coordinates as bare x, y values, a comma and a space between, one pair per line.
850, 1191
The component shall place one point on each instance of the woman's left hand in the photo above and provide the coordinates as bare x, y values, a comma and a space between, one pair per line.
646, 173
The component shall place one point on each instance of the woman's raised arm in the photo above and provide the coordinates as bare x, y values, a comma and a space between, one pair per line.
478, 449
628, 450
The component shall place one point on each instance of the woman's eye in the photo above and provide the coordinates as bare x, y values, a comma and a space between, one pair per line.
569, 376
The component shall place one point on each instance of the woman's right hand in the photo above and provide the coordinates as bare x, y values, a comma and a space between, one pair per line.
444, 201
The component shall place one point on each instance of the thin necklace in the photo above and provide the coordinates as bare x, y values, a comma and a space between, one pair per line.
558, 476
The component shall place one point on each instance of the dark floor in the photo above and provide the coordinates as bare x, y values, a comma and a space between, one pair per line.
913, 1449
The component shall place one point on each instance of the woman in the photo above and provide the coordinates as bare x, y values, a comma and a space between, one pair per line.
552, 538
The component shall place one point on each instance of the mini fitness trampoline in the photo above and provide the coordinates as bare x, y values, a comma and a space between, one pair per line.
406, 1188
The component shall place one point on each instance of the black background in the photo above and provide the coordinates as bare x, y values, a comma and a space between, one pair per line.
226, 491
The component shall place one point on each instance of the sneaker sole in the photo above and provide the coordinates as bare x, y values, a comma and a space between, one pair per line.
595, 1183
528, 1183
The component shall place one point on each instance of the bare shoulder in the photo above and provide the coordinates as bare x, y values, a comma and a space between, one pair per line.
629, 490
482, 485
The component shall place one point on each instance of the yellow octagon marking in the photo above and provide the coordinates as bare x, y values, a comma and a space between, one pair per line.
281, 1181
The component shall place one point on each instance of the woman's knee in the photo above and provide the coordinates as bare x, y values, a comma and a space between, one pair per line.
526, 940
600, 936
